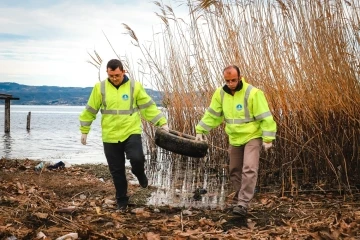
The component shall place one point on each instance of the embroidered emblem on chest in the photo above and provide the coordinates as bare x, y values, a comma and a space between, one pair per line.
239, 107
125, 97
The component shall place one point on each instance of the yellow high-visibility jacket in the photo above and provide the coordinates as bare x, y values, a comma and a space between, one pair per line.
120, 109
246, 114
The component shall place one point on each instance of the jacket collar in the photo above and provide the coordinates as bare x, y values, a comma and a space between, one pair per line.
123, 82
238, 87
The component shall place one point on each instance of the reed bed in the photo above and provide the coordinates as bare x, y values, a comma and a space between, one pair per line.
303, 54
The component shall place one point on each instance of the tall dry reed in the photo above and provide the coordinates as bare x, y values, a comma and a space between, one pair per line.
303, 54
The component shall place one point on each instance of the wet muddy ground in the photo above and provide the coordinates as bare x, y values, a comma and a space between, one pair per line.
184, 201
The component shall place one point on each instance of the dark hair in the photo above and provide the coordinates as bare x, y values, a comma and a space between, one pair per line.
114, 64
235, 67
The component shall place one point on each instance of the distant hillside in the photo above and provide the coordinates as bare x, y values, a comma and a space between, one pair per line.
50, 95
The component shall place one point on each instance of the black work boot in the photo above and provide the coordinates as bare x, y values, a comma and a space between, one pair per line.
121, 206
240, 210
143, 181
122, 203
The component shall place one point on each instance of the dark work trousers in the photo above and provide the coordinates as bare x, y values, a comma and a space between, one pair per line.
243, 168
115, 156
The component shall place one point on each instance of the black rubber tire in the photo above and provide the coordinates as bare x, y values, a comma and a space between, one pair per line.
180, 143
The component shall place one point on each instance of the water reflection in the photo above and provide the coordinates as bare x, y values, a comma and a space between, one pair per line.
178, 180
7, 140
50, 142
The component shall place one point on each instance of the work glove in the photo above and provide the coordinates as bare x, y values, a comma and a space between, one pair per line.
165, 127
83, 138
200, 137
267, 146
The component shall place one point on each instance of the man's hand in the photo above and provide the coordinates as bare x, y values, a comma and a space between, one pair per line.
267, 146
83, 138
200, 137
165, 127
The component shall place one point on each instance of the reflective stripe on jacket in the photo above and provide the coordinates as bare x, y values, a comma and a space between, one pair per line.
246, 114
120, 109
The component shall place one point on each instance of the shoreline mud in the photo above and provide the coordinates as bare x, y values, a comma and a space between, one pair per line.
79, 199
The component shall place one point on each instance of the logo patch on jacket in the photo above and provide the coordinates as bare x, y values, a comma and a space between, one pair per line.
125, 97
239, 107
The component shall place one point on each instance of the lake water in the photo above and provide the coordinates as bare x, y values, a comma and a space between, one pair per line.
54, 135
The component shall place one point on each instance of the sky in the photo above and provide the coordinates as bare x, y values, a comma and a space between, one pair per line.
46, 42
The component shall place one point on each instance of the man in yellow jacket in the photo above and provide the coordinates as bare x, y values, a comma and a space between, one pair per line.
249, 125
121, 101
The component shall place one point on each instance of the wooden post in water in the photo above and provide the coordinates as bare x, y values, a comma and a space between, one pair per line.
7, 98
7, 115
28, 121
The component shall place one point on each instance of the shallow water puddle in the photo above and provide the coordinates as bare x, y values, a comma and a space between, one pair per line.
186, 182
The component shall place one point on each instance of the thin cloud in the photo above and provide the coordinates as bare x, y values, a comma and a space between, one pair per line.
47, 41
13, 37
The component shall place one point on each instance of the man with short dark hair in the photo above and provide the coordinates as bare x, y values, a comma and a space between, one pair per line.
121, 101
249, 125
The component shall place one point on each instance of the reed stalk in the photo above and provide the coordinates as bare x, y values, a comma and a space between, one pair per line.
303, 54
